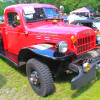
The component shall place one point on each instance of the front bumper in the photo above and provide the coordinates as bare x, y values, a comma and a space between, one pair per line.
82, 78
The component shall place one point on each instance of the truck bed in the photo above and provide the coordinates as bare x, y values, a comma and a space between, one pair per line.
2, 24
2, 34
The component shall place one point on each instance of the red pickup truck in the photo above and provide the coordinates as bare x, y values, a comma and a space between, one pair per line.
34, 35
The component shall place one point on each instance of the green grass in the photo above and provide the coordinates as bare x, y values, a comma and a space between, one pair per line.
1, 22
14, 85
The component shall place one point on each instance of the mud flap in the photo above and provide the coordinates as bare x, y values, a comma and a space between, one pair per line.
82, 78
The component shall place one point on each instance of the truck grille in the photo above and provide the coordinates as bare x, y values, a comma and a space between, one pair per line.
85, 44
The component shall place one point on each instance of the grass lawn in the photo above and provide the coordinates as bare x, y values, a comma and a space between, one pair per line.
14, 85
1, 22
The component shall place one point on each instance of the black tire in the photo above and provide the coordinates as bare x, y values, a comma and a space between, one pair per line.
39, 76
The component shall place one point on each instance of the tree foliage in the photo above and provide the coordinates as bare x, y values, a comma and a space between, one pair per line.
93, 4
69, 5
3, 5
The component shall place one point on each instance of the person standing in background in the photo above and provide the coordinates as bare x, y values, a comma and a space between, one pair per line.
71, 18
65, 18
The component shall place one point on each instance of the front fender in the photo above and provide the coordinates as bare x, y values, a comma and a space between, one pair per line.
49, 53
41, 50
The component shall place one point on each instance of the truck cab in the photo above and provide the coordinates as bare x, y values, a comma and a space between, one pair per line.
34, 35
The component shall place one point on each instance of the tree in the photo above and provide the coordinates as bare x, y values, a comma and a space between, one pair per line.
1, 9
3, 5
93, 4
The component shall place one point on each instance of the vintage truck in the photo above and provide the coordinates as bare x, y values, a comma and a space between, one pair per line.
34, 35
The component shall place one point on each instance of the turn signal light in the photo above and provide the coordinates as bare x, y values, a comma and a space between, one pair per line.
86, 67
96, 32
73, 38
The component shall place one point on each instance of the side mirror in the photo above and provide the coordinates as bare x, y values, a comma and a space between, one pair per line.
14, 24
61, 9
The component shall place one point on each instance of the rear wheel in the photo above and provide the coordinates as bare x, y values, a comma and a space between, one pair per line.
39, 77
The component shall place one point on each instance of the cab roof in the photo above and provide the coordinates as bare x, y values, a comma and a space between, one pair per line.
20, 6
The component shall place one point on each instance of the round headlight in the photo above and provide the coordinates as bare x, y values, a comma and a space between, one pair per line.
62, 46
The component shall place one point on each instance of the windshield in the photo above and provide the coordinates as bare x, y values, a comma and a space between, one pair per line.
97, 24
40, 14
37, 14
51, 13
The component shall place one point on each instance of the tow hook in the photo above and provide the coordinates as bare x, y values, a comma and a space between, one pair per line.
97, 66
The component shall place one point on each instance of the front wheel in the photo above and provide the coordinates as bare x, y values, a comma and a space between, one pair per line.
39, 76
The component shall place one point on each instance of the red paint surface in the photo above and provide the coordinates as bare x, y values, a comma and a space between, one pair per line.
40, 32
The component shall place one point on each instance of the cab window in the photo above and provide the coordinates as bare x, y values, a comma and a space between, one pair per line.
13, 17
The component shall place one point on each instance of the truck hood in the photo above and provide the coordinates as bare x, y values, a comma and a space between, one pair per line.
63, 32
62, 29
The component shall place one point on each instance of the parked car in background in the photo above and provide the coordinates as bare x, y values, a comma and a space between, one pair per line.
94, 24
1, 19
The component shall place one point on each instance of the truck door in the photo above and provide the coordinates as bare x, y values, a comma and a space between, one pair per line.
12, 33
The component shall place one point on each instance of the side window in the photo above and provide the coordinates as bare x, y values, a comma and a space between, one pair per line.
93, 26
79, 24
13, 17
87, 24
